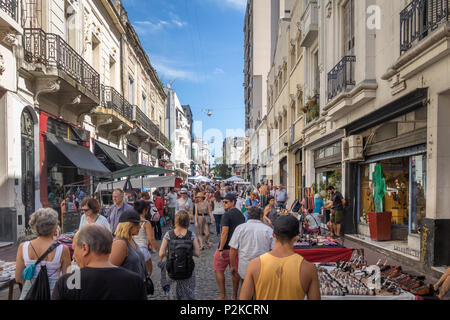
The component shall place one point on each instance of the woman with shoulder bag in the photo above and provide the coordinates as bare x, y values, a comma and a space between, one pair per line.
146, 236
55, 258
203, 218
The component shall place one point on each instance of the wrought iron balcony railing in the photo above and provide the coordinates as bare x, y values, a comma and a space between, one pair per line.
52, 51
141, 118
11, 8
419, 18
341, 77
112, 99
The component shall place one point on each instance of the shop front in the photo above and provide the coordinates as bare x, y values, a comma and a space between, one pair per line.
405, 174
328, 168
68, 164
395, 140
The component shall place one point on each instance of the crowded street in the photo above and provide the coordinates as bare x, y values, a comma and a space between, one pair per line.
225, 151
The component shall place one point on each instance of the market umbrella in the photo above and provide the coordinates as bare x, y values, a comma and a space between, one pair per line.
200, 179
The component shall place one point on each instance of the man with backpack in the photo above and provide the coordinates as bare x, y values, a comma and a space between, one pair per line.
180, 246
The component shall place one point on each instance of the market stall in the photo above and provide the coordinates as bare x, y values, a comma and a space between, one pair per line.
321, 249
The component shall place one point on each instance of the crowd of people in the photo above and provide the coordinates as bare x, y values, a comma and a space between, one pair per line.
255, 230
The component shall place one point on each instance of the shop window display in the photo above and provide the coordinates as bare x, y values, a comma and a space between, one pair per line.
397, 199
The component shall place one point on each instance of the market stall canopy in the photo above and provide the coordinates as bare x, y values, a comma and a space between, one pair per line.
234, 179
138, 170
80, 157
139, 183
114, 155
200, 179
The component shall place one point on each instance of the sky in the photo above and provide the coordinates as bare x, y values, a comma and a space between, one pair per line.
198, 46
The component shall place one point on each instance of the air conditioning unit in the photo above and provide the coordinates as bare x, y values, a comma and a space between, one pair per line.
352, 149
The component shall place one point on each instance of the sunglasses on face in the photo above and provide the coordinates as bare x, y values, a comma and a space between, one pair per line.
226, 201
85, 210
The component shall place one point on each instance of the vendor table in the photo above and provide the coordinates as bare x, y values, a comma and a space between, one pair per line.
325, 254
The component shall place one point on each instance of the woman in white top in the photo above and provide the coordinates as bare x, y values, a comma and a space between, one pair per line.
91, 209
146, 234
44, 224
218, 211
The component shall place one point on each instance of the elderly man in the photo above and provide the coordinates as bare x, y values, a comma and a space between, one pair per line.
250, 240
116, 210
97, 278
281, 197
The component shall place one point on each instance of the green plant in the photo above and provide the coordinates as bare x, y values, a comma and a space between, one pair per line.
379, 188
168, 145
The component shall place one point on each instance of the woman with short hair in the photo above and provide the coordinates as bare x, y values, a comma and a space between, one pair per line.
90, 208
44, 224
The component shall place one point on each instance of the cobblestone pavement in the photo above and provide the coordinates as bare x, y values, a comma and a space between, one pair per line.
206, 285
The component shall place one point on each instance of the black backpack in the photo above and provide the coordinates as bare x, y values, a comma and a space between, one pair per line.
180, 263
40, 289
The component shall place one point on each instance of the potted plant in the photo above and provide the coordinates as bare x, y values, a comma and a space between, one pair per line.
380, 222
305, 109
312, 101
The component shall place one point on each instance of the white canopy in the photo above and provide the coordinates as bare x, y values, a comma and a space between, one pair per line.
200, 179
138, 183
234, 179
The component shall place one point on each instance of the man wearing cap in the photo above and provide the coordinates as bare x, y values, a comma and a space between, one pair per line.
230, 220
281, 274
116, 210
185, 203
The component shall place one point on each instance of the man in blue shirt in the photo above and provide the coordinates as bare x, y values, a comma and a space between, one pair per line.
116, 210
281, 197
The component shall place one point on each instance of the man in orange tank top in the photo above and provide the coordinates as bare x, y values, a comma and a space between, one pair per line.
281, 274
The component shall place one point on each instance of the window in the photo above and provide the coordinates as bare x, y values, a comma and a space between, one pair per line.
299, 105
130, 89
349, 28
316, 71
293, 60
153, 112
112, 72
144, 104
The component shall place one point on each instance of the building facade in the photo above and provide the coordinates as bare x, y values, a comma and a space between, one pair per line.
65, 119
201, 157
353, 88
179, 134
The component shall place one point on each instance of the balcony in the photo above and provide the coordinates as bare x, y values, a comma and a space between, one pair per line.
114, 116
342, 77
11, 7
140, 118
419, 19
310, 23
111, 99
51, 51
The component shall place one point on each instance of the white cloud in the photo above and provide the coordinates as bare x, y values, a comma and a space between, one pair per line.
148, 26
234, 4
218, 71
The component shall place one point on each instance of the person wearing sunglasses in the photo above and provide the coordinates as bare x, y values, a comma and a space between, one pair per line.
90, 208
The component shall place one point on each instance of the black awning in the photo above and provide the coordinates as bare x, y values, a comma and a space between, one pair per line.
81, 157
114, 155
